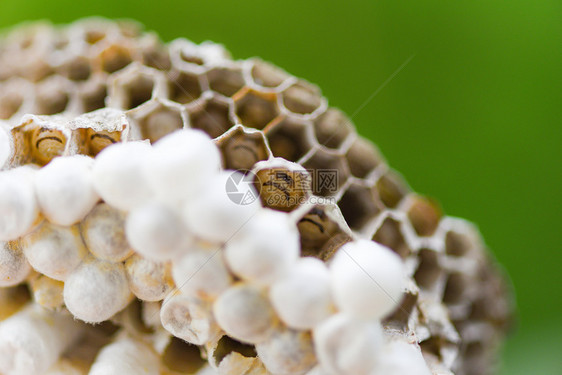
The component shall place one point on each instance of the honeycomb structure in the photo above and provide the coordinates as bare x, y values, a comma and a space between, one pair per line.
56, 83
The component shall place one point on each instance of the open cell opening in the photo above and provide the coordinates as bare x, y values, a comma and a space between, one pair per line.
115, 58
160, 123
329, 173
184, 87
182, 357
390, 235
9, 105
191, 58
94, 36
51, 102
403, 312
267, 75
391, 189
428, 271
457, 244
78, 69
316, 229
424, 214
241, 150
359, 205
213, 118
228, 345
362, 157
289, 140
455, 288
94, 99
225, 81
137, 91
256, 110
332, 128
301, 98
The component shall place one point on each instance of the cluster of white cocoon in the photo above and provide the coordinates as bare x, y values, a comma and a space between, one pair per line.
18, 204
126, 356
32, 340
166, 219
68, 202
54, 250
189, 319
14, 267
303, 297
264, 249
5, 146
97, 290
367, 279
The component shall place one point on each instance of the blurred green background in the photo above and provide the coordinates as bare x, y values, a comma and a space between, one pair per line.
474, 119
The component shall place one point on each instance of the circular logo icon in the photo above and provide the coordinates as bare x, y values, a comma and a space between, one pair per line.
240, 188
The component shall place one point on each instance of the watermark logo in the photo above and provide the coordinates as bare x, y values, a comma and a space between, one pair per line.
326, 181
240, 188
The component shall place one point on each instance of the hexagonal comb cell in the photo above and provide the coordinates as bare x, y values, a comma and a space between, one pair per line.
225, 81
77, 69
227, 345
289, 140
359, 205
191, 58
128, 29
134, 316
302, 98
184, 87
362, 157
93, 97
114, 58
316, 229
10, 102
480, 310
51, 97
429, 270
457, 244
391, 189
93, 142
60, 42
134, 91
159, 123
35, 144
332, 128
212, 117
255, 109
47, 144
455, 288
28, 63
282, 189
241, 150
329, 173
180, 357
390, 235
492, 305
424, 214
94, 35
12, 299
432, 346
476, 358
402, 314
155, 56
267, 75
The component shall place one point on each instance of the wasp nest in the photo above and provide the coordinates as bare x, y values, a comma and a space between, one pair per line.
165, 209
